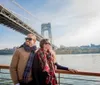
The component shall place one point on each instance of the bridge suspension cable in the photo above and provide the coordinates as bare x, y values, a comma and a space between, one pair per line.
19, 15
18, 5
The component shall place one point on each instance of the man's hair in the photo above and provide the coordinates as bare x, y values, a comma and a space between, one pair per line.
30, 34
44, 41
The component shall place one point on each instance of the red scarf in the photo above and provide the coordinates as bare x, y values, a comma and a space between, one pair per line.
47, 65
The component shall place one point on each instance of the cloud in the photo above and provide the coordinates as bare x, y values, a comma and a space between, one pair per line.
83, 36
79, 20
74, 22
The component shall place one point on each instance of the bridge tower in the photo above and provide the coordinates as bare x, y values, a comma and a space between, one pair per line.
46, 27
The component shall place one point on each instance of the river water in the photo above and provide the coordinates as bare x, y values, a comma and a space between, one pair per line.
81, 62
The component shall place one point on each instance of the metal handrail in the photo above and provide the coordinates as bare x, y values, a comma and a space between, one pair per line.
4, 78
78, 73
65, 72
4, 66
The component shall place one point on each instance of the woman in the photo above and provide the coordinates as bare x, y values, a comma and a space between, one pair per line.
44, 65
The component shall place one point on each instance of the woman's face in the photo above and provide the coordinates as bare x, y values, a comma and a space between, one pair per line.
47, 46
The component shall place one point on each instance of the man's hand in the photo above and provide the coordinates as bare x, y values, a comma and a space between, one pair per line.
17, 84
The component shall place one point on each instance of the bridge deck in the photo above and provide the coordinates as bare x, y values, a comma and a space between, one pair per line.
10, 20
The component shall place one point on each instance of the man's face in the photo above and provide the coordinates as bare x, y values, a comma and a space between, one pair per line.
30, 40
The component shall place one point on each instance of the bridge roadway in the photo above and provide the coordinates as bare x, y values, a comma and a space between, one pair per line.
13, 22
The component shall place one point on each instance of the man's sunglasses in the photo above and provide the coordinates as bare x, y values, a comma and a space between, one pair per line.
28, 39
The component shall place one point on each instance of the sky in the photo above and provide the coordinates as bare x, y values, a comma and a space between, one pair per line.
73, 22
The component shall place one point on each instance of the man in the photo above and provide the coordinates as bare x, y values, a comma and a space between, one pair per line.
21, 63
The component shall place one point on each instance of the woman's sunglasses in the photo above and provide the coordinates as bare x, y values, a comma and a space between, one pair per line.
48, 43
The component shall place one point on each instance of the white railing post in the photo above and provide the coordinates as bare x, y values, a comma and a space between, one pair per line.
59, 78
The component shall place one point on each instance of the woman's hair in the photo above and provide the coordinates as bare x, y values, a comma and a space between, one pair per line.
44, 41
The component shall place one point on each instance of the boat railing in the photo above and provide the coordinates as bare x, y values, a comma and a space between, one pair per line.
63, 77
5, 78
77, 78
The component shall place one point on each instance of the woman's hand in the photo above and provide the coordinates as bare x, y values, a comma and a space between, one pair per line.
72, 70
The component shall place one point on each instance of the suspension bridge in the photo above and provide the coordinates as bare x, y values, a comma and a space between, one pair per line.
10, 20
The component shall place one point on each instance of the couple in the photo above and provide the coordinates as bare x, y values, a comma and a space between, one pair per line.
32, 66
